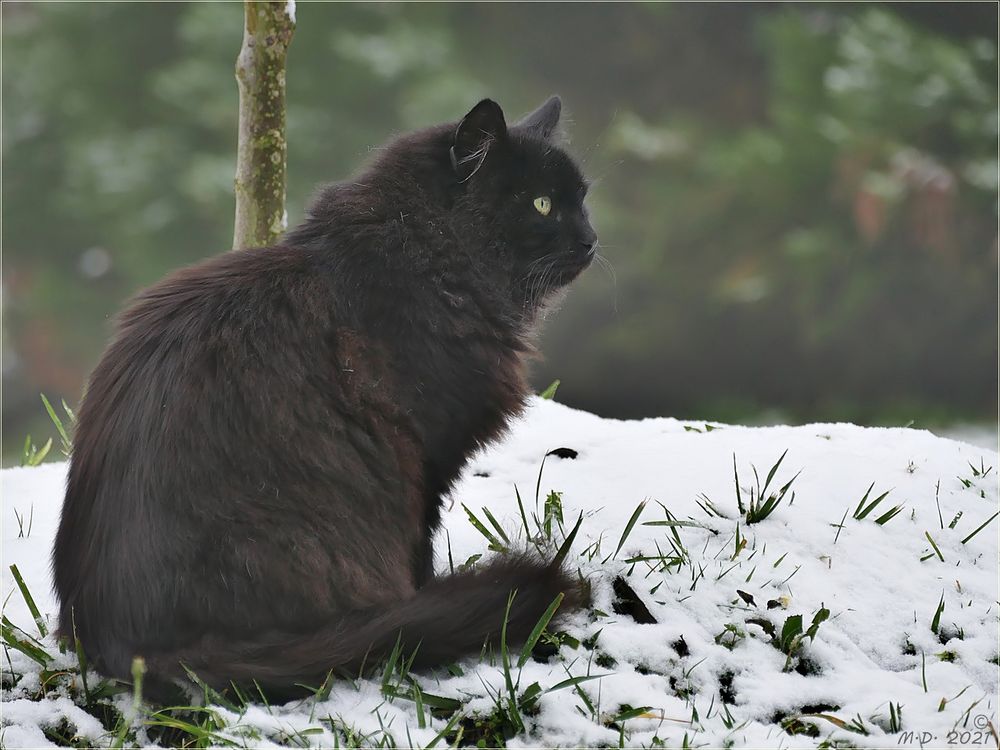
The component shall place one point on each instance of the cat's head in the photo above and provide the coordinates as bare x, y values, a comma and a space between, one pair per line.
519, 189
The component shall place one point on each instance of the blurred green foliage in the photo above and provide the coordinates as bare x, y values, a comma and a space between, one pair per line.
799, 201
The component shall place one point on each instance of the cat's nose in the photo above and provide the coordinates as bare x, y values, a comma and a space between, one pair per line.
588, 243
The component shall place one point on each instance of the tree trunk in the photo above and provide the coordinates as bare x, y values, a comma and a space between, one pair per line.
261, 156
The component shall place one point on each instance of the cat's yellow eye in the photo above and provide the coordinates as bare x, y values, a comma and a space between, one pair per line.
543, 204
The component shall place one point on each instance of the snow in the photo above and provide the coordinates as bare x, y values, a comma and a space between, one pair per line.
881, 584
290, 9
983, 435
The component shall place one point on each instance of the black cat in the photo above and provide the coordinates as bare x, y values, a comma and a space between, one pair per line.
262, 450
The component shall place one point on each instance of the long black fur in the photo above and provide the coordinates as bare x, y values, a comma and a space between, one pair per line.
261, 453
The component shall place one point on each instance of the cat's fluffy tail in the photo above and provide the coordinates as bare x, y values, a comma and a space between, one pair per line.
450, 617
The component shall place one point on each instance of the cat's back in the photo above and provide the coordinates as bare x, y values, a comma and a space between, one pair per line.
216, 292
218, 431
194, 366
216, 332
193, 327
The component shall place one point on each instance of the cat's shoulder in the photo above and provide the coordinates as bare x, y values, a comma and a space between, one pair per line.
233, 272
243, 282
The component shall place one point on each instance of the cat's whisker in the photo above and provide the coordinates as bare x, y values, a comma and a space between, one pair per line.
612, 165
536, 262
609, 268
591, 150
537, 281
536, 285
543, 287
538, 288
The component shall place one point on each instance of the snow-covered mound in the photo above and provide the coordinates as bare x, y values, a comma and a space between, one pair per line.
806, 625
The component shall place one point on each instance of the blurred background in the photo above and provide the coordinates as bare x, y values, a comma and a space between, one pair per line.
799, 200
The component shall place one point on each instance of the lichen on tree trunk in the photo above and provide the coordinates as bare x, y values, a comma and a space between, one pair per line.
261, 156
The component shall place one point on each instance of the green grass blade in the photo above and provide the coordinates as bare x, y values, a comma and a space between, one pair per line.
840, 526
441, 702
538, 481
505, 662
872, 505
574, 681
889, 515
937, 551
419, 706
41, 453
58, 423
675, 523
446, 731
736, 481
451, 560
772, 472
628, 527
980, 528
524, 517
936, 620
390, 664
536, 632
496, 525
550, 393
495, 543
861, 505
631, 714
138, 670
81, 660
39, 620
564, 549
69, 412
787, 485
33, 650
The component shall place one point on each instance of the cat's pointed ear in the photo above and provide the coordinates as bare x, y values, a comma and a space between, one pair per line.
477, 133
543, 121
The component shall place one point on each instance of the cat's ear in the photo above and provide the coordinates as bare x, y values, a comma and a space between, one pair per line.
543, 121
476, 134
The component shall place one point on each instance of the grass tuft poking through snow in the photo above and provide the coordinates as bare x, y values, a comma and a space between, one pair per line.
728, 610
